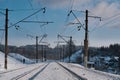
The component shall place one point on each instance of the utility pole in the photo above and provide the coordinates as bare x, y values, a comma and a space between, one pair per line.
86, 38
69, 43
86, 33
60, 53
45, 54
44, 50
86, 41
6, 39
36, 49
70, 48
63, 53
42, 53
36, 37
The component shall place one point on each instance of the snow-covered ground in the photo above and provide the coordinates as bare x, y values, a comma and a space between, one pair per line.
91, 74
74, 56
16, 74
54, 72
49, 71
21, 58
12, 63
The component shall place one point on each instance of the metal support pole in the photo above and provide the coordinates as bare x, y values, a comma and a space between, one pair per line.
86, 41
63, 52
36, 49
6, 39
70, 48
42, 53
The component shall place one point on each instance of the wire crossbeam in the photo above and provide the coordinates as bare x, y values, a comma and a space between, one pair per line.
36, 22
44, 9
76, 19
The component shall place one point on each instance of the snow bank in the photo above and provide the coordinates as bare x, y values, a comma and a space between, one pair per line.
12, 63
91, 74
21, 58
74, 56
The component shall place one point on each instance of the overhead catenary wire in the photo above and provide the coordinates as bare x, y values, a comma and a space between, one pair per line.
72, 4
17, 10
22, 10
44, 23
2, 13
109, 20
24, 20
37, 22
100, 26
76, 19
94, 28
27, 17
29, 1
27, 33
67, 18
112, 17
82, 25
2, 9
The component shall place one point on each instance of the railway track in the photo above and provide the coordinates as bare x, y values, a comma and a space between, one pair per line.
13, 70
72, 73
51, 71
31, 74
108, 76
20, 73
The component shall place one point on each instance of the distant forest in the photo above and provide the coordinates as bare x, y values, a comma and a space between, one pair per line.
113, 49
29, 50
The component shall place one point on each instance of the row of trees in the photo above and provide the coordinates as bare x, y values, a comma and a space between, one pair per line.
113, 49
29, 51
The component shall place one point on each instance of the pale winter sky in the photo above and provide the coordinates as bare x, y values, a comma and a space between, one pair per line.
101, 33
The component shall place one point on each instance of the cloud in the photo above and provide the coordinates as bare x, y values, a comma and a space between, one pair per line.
102, 8
56, 4
53, 3
108, 11
105, 9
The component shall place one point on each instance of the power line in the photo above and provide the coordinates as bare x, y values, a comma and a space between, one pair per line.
106, 23
81, 25
67, 18
29, 1
2, 9
27, 17
2, 29
36, 22
72, 4
112, 17
15, 10
2, 13
44, 23
95, 28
